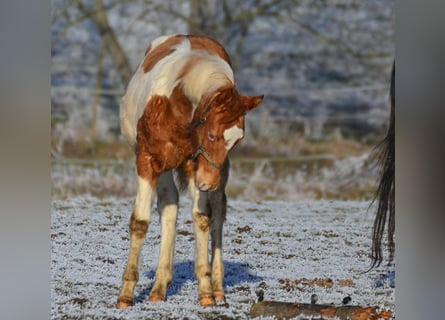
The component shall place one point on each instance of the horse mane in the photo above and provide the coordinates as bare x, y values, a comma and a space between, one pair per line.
226, 95
385, 194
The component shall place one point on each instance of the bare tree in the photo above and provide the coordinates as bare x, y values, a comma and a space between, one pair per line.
98, 15
282, 43
229, 21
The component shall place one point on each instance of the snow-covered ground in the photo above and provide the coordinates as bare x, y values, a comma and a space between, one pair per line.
290, 250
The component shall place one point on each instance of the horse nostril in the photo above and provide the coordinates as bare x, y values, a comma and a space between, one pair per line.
204, 187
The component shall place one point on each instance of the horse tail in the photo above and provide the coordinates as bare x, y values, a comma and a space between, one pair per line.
385, 194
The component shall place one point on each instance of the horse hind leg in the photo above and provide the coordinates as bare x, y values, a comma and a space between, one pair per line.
139, 223
168, 209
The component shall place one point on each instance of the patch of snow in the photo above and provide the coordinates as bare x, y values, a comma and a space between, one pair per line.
267, 245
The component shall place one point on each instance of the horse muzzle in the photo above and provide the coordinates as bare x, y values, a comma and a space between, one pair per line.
207, 180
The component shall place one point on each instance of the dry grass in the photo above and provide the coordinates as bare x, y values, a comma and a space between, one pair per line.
334, 169
293, 146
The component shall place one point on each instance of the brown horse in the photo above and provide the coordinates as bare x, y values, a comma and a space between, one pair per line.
182, 114
385, 194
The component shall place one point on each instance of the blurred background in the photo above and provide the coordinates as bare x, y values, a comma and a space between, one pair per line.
323, 66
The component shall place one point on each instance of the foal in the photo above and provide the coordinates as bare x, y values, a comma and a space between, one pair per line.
182, 114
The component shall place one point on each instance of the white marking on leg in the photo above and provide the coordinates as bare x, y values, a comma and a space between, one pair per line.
217, 259
218, 204
232, 135
168, 206
140, 214
143, 200
202, 266
168, 223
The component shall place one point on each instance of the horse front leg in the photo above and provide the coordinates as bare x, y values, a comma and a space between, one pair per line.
218, 203
139, 223
218, 206
202, 222
168, 209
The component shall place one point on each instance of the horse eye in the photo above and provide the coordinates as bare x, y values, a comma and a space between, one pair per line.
211, 137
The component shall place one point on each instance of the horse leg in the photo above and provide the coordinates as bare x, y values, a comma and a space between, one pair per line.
139, 223
202, 223
168, 209
218, 205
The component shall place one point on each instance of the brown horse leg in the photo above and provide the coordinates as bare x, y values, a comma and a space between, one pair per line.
139, 223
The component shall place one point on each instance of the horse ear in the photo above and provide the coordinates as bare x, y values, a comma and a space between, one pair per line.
251, 102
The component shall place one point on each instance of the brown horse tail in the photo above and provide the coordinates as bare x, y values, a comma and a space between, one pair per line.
385, 194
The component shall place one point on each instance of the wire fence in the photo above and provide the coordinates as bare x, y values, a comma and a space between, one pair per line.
297, 91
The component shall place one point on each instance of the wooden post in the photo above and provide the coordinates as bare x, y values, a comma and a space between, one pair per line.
282, 310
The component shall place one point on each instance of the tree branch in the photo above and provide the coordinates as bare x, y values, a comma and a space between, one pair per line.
335, 43
99, 17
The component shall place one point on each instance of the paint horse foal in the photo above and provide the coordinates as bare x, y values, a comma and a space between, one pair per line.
182, 112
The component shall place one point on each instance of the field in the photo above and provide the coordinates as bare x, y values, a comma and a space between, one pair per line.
289, 249
296, 225
299, 219
310, 177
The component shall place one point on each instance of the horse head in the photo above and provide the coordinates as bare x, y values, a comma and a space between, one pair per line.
218, 126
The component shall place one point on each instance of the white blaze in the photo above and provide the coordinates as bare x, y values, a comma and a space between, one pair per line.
231, 135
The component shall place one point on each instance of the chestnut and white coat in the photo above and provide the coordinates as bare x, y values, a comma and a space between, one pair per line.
182, 114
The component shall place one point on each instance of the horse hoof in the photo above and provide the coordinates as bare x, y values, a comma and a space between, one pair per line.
220, 296
124, 303
155, 298
207, 301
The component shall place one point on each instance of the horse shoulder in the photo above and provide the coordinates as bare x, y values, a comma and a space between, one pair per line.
164, 134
